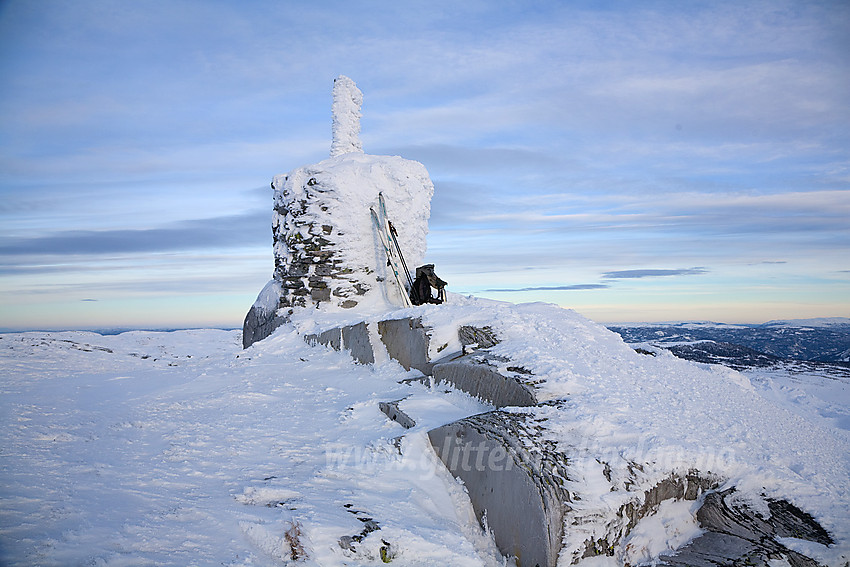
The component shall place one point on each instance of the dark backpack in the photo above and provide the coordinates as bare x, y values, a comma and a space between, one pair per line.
420, 293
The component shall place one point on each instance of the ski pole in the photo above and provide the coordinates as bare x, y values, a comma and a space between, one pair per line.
400, 255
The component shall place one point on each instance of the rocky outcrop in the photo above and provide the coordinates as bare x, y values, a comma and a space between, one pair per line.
520, 482
353, 338
395, 413
478, 376
517, 493
259, 323
263, 317
407, 341
739, 535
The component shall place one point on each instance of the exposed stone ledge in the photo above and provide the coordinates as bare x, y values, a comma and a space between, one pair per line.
520, 492
407, 341
516, 478
741, 536
395, 413
475, 375
259, 324
353, 338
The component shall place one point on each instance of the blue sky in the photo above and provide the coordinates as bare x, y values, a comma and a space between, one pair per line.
635, 161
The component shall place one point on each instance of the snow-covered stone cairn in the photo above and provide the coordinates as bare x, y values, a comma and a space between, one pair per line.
590, 448
326, 253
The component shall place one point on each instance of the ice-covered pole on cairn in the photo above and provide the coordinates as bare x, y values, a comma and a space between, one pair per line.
347, 100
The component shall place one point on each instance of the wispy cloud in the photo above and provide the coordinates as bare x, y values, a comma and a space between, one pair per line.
576, 287
236, 231
795, 218
635, 274
456, 158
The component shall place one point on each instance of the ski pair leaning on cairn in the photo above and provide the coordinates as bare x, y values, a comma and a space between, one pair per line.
419, 289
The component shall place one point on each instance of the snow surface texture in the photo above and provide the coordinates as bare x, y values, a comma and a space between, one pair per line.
347, 101
180, 448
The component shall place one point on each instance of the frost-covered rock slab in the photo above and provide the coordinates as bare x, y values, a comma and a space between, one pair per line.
641, 434
263, 318
408, 342
734, 533
516, 489
352, 338
476, 375
404, 340
615, 453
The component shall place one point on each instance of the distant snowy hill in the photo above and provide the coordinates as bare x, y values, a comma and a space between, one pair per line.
682, 325
811, 323
793, 323
818, 340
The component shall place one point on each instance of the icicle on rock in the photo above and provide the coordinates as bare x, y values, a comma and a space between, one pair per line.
347, 101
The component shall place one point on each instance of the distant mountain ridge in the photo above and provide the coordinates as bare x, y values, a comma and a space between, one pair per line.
813, 340
816, 322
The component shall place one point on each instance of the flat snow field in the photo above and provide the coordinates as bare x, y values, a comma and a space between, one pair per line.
179, 448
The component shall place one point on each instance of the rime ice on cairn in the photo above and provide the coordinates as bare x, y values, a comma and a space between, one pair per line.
346, 117
325, 248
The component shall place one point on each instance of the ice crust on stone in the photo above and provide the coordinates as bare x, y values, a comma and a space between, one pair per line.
267, 300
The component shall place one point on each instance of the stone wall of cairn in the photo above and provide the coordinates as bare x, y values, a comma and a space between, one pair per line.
307, 261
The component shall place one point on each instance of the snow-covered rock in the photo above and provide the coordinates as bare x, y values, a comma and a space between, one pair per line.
262, 319
609, 452
326, 250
